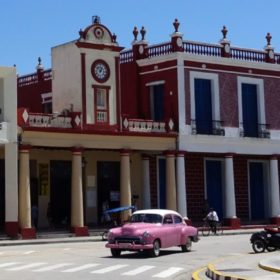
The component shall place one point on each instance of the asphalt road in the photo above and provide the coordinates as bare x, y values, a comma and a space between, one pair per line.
88, 260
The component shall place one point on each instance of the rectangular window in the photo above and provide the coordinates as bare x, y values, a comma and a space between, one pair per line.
101, 98
101, 104
157, 102
250, 110
203, 106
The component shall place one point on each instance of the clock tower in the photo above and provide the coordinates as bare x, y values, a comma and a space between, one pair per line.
86, 76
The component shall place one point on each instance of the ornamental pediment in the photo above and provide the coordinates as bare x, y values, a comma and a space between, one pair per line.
97, 33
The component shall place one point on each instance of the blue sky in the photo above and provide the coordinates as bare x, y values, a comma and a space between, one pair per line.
30, 28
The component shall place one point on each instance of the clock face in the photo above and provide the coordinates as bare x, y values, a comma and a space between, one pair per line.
100, 71
98, 33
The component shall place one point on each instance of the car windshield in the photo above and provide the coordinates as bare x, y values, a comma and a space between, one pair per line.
146, 218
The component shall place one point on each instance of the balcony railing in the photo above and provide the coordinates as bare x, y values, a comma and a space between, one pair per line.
147, 126
27, 119
34, 78
207, 128
38, 120
262, 131
199, 48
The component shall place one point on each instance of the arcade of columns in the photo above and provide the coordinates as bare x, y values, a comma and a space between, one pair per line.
174, 173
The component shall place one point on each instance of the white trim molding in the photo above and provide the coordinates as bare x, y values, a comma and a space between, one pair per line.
260, 96
215, 93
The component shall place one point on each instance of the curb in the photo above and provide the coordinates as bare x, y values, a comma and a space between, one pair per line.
195, 275
213, 274
266, 265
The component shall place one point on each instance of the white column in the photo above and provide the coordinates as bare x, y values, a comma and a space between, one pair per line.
181, 185
146, 191
230, 206
24, 189
125, 195
11, 182
77, 214
170, 181
274, 185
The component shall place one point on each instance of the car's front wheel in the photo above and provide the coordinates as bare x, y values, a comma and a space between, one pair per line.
115, 253
258, 246
156, 249
188, 246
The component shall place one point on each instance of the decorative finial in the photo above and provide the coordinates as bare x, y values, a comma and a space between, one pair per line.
96, 20
224, 32
81, 33
176, 24
268, 38
39, 66
114, 38
135, 33
143, 32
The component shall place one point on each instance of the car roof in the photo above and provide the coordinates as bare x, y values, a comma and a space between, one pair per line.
161, 212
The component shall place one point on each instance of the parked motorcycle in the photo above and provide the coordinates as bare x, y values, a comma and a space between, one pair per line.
267, 239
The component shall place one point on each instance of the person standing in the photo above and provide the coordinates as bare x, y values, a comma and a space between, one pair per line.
49, 215
34, 216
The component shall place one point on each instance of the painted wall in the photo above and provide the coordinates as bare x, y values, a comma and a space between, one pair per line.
66, 84
109, 57
136, 90
29, 96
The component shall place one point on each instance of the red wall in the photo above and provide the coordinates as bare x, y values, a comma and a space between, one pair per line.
229, 97
136, 96
29, 96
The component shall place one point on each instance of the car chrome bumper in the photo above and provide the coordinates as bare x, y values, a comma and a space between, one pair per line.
129, 246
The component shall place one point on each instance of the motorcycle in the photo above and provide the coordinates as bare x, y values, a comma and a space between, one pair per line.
267, 239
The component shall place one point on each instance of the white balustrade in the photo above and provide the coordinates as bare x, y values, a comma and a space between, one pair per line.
49, 121
144, 125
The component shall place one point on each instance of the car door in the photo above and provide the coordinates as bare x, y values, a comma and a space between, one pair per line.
179, 224
169, 237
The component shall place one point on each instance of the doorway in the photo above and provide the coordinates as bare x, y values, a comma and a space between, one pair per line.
60, 192
214, 190
162, 183
257, 190
108, 184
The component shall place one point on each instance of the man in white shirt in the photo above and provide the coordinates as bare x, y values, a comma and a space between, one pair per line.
213, 219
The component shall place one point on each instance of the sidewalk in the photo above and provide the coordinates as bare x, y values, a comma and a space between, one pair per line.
44, 237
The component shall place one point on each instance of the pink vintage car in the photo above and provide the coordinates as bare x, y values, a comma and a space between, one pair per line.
151, 230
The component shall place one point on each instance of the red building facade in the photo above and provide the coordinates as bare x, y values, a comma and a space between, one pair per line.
198, 122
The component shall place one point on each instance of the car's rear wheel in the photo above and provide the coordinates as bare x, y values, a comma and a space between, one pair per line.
156, 249
271, 248
188, 246
115, 253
